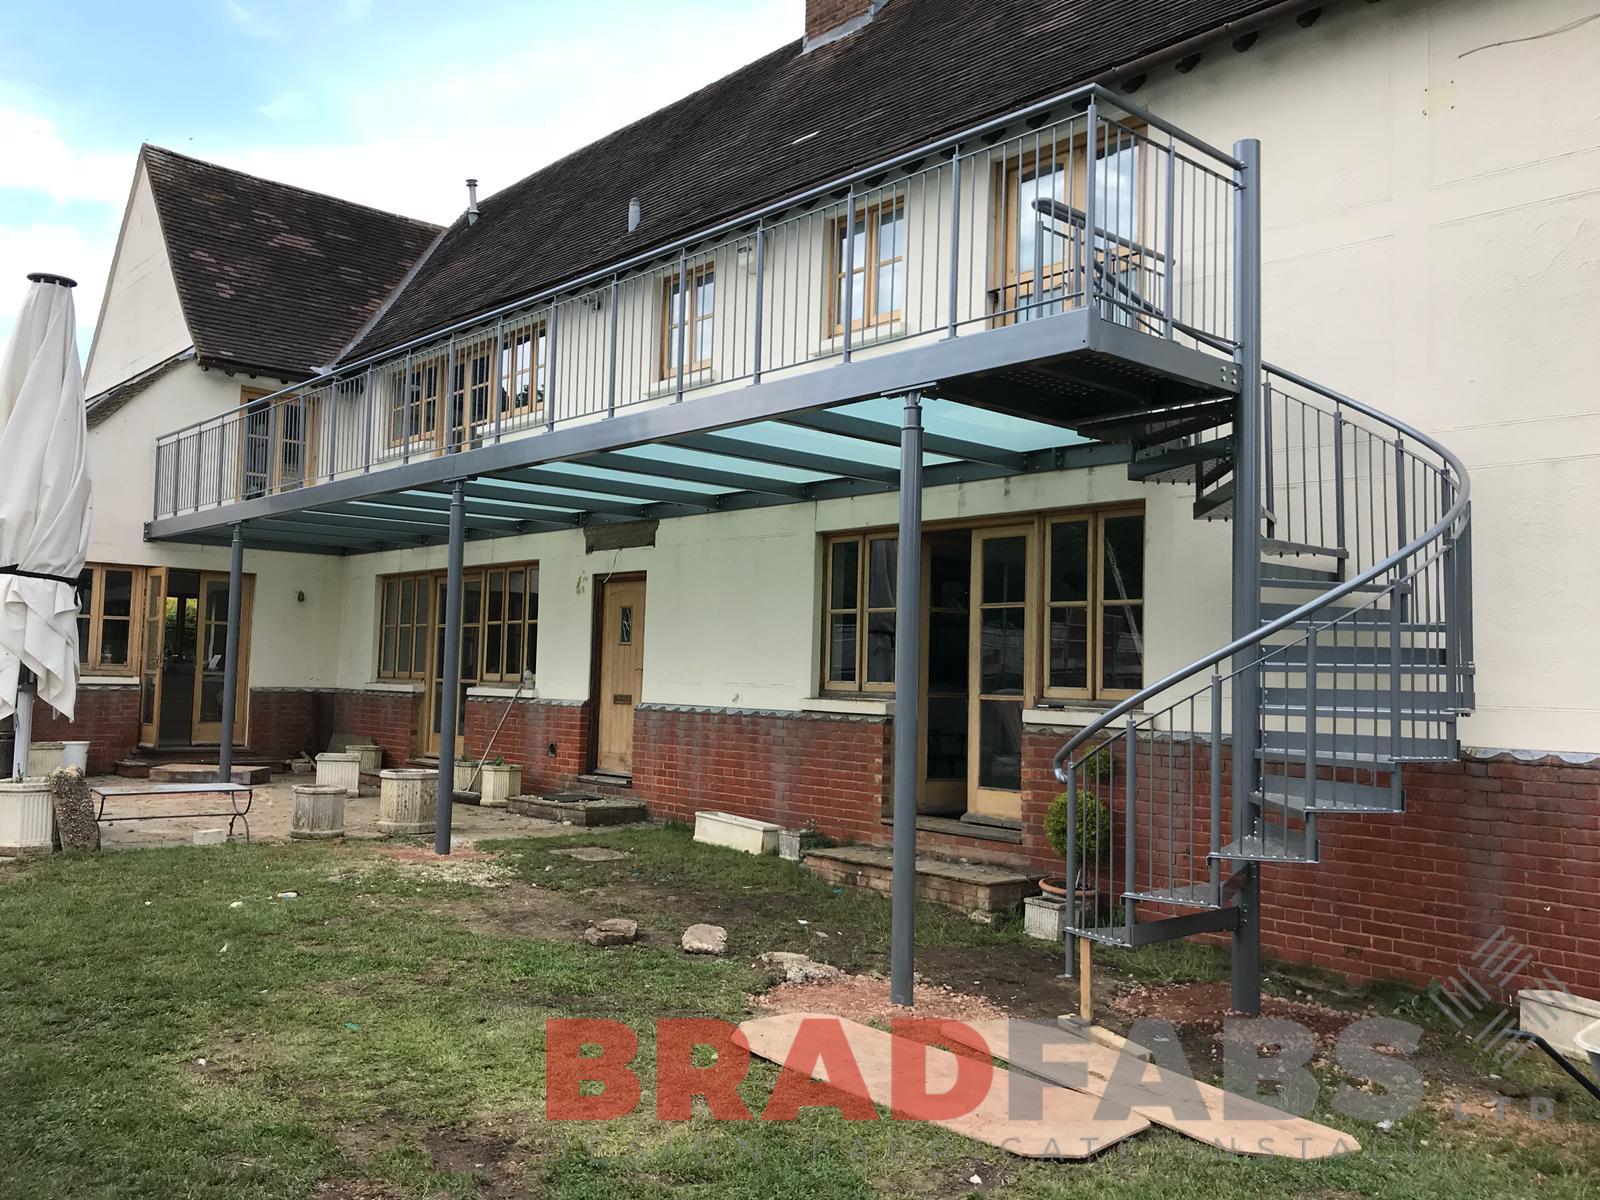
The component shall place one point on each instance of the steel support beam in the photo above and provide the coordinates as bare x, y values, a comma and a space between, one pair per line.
783, 456
230, 656
1247, 563
695, 473
907, 675
451, 675
642, 492
539, 498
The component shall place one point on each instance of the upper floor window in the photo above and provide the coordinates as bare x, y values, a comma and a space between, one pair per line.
107, 601
279, 442
871, 251
695, 313
524, 368
414, 403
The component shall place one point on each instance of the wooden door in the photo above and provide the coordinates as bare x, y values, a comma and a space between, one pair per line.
153, 655
211, 640
621, 673
1001, 632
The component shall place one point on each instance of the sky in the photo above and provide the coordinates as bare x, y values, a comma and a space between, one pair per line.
388, 102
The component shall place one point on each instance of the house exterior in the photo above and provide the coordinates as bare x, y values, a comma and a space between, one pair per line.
820, 212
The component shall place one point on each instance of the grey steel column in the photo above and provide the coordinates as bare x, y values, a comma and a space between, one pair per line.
230, 660
907, 675
1247, 561
452, 668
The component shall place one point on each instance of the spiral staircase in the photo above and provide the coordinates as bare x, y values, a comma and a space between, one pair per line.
1355, 659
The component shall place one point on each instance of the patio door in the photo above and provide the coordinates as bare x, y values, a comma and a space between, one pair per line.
471, 635
152, 656
621, 673
212, 637
998, 666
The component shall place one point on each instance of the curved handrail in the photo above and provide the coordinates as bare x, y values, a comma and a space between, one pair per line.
1322, 600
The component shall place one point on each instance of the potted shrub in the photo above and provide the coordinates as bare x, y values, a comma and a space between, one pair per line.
1093, 831
499, 782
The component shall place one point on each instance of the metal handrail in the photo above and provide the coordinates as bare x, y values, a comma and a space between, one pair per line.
746, 219
1399, 557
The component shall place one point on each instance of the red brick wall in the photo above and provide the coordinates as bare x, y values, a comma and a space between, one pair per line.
389, 719
106, 717
531, 728
283, 721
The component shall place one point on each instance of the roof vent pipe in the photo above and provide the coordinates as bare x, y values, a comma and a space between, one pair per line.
472, 202
633, 214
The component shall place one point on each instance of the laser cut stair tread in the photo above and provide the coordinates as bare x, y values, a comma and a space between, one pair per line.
1246, 1126
1067, 1129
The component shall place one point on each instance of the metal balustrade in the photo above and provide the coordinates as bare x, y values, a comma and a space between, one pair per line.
1083, 200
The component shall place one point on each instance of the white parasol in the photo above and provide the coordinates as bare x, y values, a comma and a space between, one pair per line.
44, 507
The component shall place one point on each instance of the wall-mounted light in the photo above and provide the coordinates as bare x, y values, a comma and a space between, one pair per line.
300, 597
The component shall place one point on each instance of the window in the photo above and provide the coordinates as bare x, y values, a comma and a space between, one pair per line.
524, 365
876, 264
697, 313
499, 623
470, 385
414, 403
860, 613
1094, 631
1042, 217
107, 602
279, 443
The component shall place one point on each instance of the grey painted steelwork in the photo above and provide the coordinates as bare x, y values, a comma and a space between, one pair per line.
907, 719
450, 676
230, 656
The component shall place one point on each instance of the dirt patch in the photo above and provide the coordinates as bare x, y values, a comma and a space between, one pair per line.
357, 1189
480, 868
1020, 979
494, 1161
529, 911
865, 998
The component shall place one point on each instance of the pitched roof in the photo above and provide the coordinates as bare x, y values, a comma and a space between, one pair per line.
920, 69
272, 277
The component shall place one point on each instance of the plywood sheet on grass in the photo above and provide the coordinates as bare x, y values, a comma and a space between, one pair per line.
1068, 1127
1187, 1106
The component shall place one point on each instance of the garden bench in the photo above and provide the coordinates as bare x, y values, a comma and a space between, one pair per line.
239, 796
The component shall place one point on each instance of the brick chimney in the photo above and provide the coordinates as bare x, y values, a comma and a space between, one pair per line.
830, 20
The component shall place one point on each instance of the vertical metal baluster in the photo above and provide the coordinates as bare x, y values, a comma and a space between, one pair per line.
683, 320
550, 369
1071, 872
1091, 155
1268, 466
1401, 536
955, 243
849, 282
1311, 736
1170, 242
499, 385
611, 363
369, 404
1129, 861
1216, 789
760, 303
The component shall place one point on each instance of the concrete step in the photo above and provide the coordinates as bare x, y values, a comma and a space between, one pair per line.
206, 773
964, 886
579, 808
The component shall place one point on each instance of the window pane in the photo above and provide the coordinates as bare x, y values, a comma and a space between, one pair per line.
880, 648
472, 600
514, 596
1122, 648
1069, 560
842, 648
947, 651
402, 655
514, 650
497, 593
891, 232
947, 737
386, 651
533, 593
114, 638
846, 556
1001, 652
119, 594
1000, 744
1069, 648
891, 289
950, 571
881, 572
391, 601
1124, 564
422, 601
85, 609
1005, 570
531, 648
491, 648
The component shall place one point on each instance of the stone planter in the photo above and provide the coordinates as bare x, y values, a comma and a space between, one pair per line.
44, 757
75, 754
408, 800
497, 785
1044, 917
340, 770
468, 777
371, 757
736, 832
27, 817
318, 810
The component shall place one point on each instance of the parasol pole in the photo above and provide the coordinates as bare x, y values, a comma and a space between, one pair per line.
22, 724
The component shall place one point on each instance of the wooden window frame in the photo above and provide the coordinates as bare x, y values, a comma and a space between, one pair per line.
534, 373
90, 647
1010, 282
529, 621
870, 216
694, 276
398, 433
427, 583
864, 612
1094, 604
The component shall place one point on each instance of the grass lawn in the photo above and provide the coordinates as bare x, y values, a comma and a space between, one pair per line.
173, 1029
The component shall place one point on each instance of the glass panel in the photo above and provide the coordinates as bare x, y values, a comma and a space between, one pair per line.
880, 648
1069, 560
881, 572
114, 638
1001, 652
1000, 744
1118, 184
395, 650
217, 603
950, 572
1069, 648
1049, 182
533, 593
492, 638
147, 699
842, 648
119, 594
1122, 648
947, 737
947, 651
1124, 563
210, 698
514, 650
469, 651
391, 601
85, 609
514, 596
625, 625
1005, 570
843, 580
472, 600
407, 589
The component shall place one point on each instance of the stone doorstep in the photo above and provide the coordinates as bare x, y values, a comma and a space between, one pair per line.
590, 811
204, 773
963, 886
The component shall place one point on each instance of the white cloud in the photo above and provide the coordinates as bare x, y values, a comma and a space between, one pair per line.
247, 21
63, 249
35, 158
283, 106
